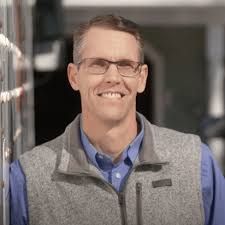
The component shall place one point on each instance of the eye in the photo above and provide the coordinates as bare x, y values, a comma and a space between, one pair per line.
126, 64
98, 63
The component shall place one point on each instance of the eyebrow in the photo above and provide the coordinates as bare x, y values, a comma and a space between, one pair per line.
122, 59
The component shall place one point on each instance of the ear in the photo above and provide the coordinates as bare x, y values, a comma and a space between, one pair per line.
142, 78
72, 73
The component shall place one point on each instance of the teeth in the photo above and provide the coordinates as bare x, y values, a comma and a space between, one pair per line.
111, 95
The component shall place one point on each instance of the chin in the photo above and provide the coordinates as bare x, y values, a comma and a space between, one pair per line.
111, 116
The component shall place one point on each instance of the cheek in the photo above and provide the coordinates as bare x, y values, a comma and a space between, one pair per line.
88, 87
133, 86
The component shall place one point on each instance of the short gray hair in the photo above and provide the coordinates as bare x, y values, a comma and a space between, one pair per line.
106, 21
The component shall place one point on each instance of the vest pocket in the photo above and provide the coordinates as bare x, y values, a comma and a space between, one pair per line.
139, 203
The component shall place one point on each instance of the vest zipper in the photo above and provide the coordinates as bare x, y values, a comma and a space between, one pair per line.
122, 204
121, 196
139, 203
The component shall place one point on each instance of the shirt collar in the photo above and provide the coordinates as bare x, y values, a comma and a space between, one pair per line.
72, 159
103, 161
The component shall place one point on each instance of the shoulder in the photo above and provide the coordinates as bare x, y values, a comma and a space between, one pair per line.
171, 133
44, 156
211, 173
167, 134
44, 150
41, 158
213, 186
175, 139
16, 173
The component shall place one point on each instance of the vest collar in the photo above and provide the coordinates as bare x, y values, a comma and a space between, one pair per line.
73, 160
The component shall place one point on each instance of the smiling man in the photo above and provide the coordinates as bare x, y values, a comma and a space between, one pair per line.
111, 166
109, 74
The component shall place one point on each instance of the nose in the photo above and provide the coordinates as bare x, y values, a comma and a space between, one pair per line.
112, 75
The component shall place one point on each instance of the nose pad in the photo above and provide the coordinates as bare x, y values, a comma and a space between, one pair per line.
112, 74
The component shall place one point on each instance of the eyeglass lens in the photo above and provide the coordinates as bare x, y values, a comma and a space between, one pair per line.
100, 66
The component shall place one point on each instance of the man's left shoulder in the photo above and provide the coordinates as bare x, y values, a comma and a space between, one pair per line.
168, 134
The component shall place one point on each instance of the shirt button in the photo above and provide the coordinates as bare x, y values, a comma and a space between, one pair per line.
100, 156
118, 175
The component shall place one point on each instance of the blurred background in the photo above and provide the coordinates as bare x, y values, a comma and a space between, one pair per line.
184, 48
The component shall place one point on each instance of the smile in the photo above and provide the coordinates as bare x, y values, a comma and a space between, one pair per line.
111, 95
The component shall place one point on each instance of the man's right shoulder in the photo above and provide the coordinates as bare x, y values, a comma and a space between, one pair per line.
42, 154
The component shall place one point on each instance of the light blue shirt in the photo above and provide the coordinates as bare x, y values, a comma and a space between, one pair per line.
114, 173
213, 183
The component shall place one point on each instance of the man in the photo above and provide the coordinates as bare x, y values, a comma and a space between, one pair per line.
111, 166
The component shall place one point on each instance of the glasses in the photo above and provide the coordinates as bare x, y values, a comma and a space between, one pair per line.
98, 66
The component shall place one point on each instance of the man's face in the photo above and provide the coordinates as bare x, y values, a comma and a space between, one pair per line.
110, 96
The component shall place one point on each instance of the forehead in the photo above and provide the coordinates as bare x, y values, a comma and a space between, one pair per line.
110, 44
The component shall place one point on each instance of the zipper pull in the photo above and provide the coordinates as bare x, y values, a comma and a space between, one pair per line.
123, 211
121, 199
139, 203
138, 187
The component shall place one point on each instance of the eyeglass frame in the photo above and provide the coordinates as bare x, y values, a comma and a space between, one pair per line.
139, 64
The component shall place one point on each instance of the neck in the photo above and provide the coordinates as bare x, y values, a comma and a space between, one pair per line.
110, 138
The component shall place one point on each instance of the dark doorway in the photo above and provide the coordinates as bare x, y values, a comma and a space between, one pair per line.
56, 104
145, 99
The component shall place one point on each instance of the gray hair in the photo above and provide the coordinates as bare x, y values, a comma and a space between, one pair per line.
106, 21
